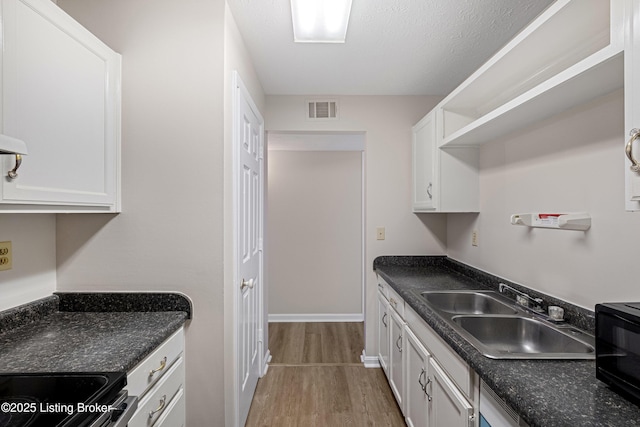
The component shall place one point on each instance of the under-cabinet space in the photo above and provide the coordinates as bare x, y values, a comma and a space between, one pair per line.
570, 54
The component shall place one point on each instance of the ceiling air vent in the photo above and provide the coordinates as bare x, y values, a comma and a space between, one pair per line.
325, 109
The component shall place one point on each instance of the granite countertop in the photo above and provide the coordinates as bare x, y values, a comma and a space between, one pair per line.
546, 393
73, 332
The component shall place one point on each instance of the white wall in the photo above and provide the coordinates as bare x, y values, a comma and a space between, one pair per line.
315, 224
573, 162
170, 234
387, 121
33, 274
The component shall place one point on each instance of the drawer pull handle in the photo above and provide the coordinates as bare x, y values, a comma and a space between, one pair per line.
393, 302
13, 173
163, 364
398, 343
383, 317
163, 402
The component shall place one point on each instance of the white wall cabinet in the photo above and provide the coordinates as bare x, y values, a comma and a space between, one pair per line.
632, 102
444, 180
424, 149
158, 381
61, 95
575, 51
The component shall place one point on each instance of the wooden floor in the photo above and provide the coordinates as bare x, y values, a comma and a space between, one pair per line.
316, 379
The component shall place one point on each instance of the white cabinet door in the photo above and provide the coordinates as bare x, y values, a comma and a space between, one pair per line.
424, 146
444, 179
632, 102
396, 365
383, 333
448, 406
61, 95
416, 399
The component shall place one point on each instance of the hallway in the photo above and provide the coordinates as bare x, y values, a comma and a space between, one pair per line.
316, 379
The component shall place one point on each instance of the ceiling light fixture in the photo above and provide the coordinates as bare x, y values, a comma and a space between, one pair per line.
320, 21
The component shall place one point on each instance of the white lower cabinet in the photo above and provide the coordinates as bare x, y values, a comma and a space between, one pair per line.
434, 387
396, 358
417, 399
158, 381
383, 333
448, 406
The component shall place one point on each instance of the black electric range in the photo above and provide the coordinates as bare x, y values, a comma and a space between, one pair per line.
63, 399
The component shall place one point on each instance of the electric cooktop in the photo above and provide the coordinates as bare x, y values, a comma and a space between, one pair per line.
56, 399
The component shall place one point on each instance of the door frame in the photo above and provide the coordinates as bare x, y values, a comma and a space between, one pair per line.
328, 141
233, 393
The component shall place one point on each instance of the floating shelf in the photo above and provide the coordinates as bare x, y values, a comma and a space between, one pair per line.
567, 221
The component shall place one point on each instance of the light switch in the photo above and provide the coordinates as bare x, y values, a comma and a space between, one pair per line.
380, 233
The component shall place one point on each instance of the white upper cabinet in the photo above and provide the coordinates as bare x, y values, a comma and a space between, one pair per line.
61, 95
424, 150
444, 180
632, 103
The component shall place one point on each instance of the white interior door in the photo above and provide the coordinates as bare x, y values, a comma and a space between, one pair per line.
249, 196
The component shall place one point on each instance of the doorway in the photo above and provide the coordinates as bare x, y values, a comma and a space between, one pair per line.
314, 227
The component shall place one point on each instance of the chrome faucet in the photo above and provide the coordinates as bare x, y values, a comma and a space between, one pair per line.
523, 299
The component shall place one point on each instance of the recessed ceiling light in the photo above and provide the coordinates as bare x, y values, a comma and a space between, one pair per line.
320, 21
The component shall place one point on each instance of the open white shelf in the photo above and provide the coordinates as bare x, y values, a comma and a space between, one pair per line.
569, 55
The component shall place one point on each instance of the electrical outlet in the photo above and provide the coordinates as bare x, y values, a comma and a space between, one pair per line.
380, 233
474, 238
6, 257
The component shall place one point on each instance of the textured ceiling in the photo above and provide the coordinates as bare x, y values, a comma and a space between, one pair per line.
394, 47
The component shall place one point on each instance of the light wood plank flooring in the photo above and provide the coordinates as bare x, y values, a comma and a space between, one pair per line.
315, 379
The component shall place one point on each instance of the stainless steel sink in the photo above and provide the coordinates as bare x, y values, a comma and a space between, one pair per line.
468, 302
524, 337
502, 329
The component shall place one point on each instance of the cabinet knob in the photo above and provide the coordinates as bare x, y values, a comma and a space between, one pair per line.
628, 149
246, 284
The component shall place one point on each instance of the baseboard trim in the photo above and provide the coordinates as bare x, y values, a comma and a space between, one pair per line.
316, 317
369, 361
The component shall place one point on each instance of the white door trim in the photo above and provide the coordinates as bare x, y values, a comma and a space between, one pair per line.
328, 141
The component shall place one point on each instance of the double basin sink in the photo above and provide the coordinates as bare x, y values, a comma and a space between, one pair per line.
501, 329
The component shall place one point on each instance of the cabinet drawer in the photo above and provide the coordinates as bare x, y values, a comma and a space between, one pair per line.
159, 398
175, 414
396, 302
456, 368
141, 378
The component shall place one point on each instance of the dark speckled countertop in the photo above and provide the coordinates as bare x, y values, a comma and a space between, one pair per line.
546, 393
49, 335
